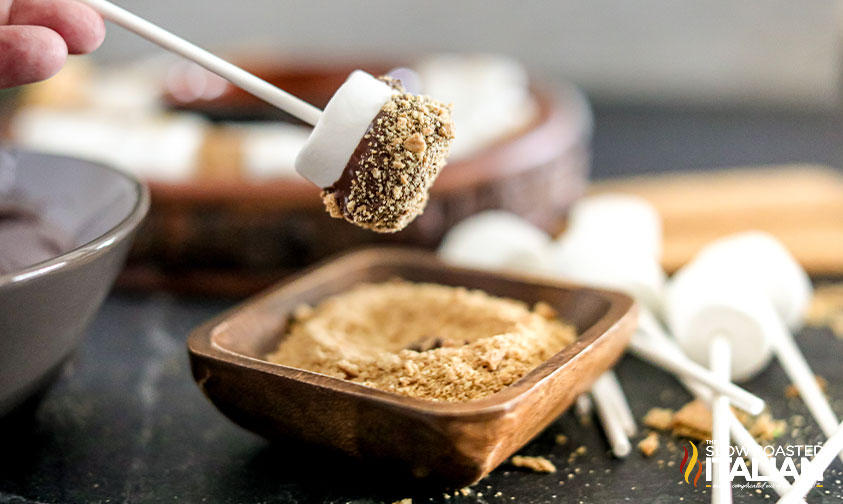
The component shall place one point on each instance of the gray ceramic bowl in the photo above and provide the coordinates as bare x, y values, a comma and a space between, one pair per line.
45, 307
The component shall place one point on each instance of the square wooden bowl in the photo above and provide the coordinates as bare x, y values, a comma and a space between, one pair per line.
454, 443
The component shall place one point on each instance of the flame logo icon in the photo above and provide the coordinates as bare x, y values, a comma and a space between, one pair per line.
687, 468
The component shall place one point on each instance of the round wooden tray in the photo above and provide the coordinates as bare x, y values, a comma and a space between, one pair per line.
236, 237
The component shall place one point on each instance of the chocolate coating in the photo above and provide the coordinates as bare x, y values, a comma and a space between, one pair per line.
385, 183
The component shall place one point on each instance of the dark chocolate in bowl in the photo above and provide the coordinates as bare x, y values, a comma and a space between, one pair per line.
79, 218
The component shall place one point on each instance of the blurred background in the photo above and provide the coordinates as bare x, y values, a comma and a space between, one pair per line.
655, 51
699, 60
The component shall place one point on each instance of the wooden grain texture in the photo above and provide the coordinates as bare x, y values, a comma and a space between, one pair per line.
452, 443
802, 205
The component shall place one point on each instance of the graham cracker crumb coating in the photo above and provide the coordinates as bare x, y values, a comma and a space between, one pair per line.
386, 182
422, 340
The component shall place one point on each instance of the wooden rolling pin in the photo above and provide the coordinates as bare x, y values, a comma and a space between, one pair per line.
802, 205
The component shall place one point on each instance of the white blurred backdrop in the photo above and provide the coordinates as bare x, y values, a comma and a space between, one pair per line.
773, 52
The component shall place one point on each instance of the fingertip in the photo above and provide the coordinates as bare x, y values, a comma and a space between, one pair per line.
81, 27
89, 33
31, 54
48, 54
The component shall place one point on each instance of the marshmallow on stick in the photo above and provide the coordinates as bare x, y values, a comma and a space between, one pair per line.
612, 241
375, 151
751, 285
742, 437
383, 147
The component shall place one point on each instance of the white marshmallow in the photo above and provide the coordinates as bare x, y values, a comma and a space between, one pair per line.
758, 259
698, 308
625, 221
341, 127
496, 239
638, 275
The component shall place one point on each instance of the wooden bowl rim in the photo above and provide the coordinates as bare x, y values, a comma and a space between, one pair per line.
201, 341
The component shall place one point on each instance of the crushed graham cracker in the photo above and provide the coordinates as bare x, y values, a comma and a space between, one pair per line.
422, 340
766, 428
384, 186
659, 418
792, 392
535, 464
404, 501
561, 439
694, 421
649, 444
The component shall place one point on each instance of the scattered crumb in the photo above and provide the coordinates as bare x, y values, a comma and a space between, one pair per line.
580, 451
693, 421
464, 491
536, 464
649, 444
422, 340
792, 392
659, 418
765, 428
404, 501
561, 439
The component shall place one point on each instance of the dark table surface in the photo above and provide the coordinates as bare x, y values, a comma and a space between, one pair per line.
125, 422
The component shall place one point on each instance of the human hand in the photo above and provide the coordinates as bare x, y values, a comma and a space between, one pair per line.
37, 35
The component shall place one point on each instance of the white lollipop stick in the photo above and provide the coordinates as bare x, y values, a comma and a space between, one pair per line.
584, 405
760, 266
611, 387
766, 466
743, 438
811, 474
571, 262
685, 368
720, 355
606, 411
234, 74
794, 364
